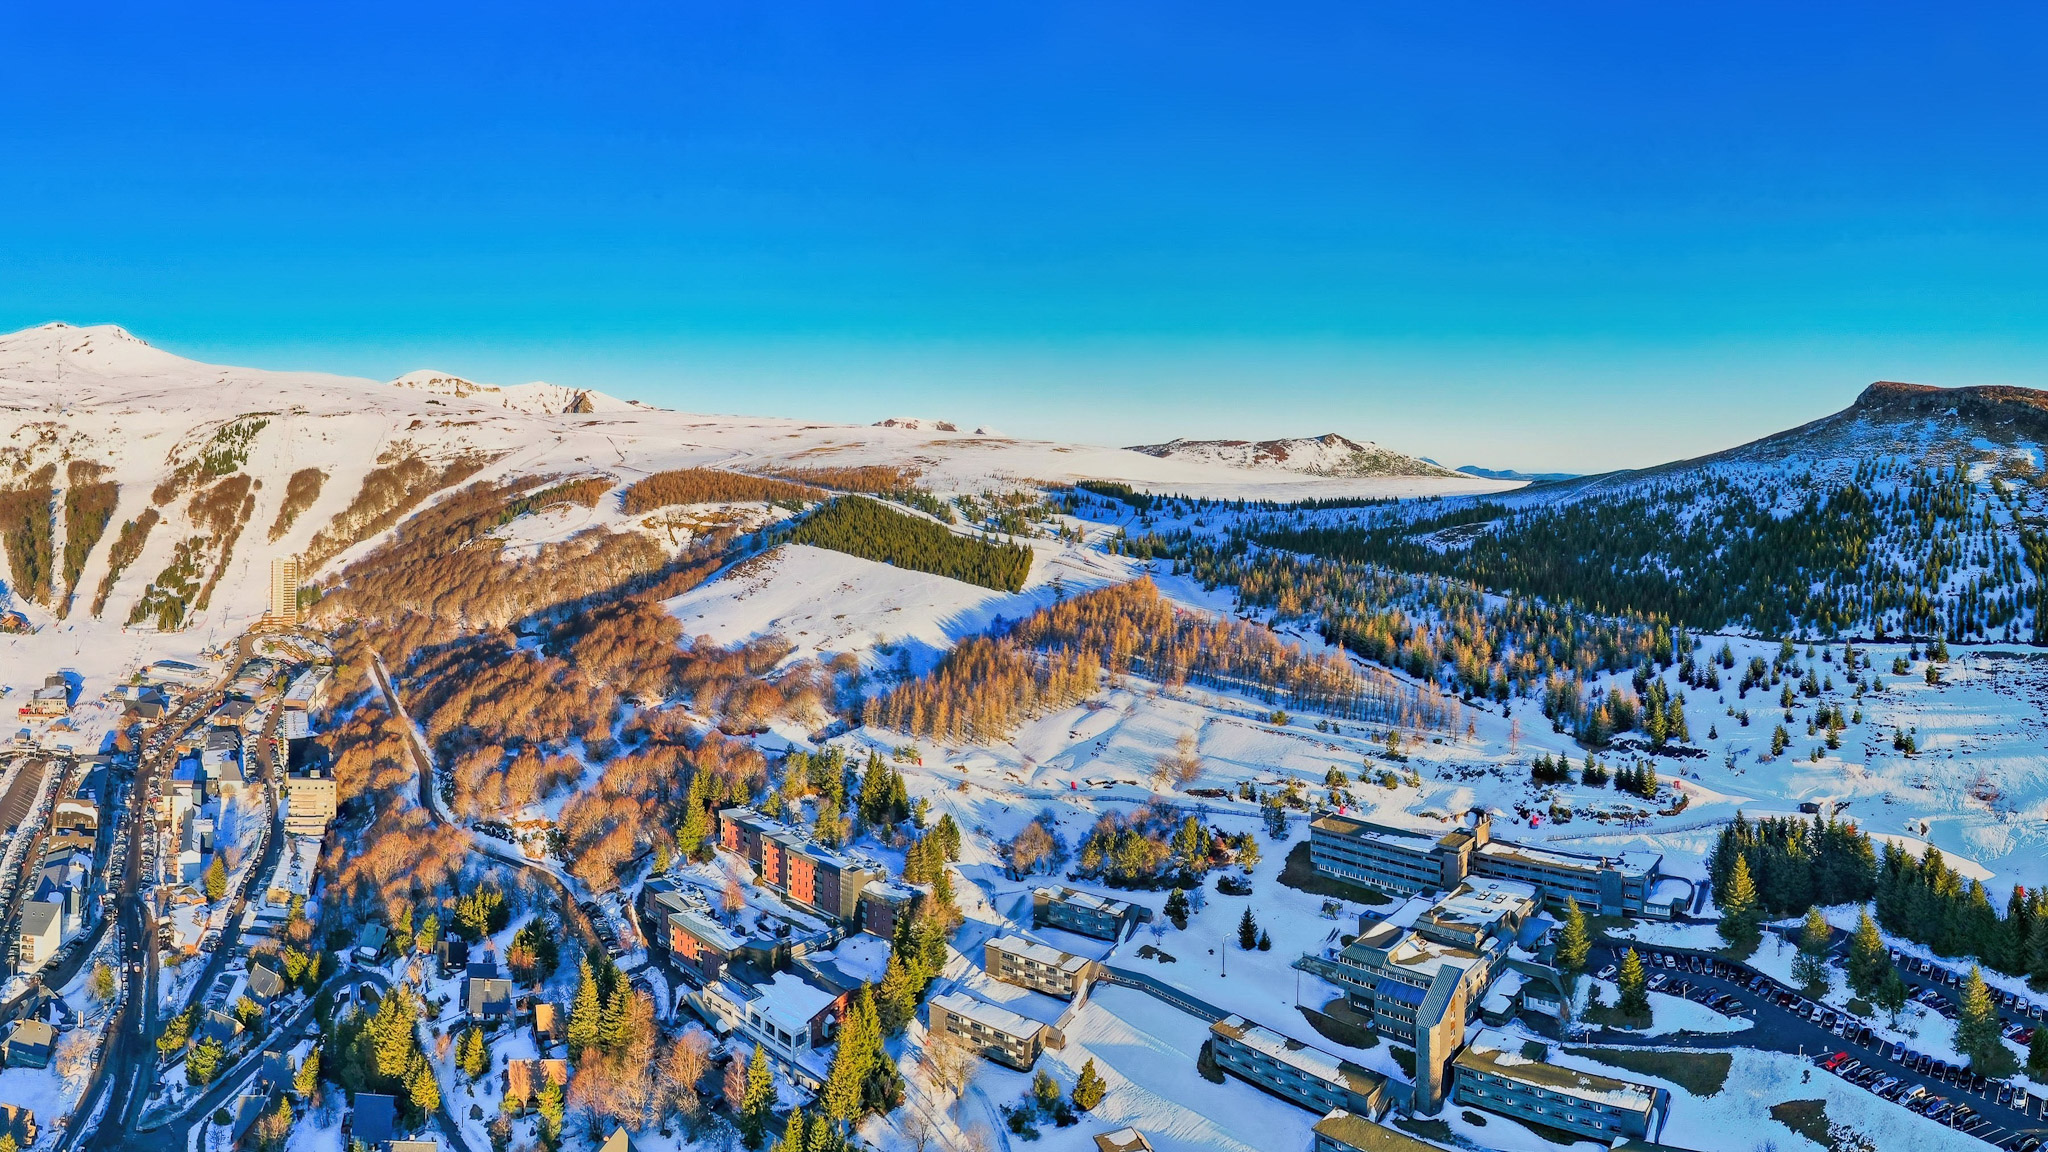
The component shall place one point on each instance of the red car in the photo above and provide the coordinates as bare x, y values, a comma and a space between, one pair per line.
1835, 1061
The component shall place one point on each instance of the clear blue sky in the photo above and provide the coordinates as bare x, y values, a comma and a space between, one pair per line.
1535, 235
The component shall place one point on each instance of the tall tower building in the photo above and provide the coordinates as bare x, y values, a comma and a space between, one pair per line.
284, 589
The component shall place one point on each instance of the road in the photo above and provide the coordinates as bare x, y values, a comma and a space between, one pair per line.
129, 1064
430, 799
1779, 1029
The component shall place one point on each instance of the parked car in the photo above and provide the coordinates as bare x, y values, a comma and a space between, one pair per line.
1835, 1061
1608, 972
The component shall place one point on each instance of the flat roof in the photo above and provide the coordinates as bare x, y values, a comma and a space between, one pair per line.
786, 1000
994, 1016
1295, 1054
1501, 1055
704, 928
1082, 899
1481, 901
1354, 826
1043, 953
1359, 1132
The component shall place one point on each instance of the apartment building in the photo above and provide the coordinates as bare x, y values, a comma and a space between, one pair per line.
1423, 971
1040, 967
700, 944
311, 799
1084, 912
1295, 1071
1406, 861
798, 867
998, 1033
1511, 1076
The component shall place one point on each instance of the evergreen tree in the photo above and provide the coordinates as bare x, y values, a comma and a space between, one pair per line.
202, 1064
2037, 951
551, 1108
1977, 1028
307, 1078
1635, 986
1089, 1088
1247, 930
1867, 958
1177, 908
616, 1024
758, 1099
1738, 909
1574, 941
2037, 1055
1891, 994
421, 1087
1811, 966
845, 1082
1045, 1091
586, 1026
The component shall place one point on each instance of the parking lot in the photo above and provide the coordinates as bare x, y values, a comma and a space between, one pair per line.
2001, 1114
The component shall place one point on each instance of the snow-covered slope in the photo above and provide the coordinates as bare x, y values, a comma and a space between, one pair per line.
1326, 455
166, 430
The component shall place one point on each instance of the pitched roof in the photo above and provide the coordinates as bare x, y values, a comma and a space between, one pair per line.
265, 983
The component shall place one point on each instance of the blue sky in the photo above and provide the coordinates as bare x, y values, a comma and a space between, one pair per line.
1544, 236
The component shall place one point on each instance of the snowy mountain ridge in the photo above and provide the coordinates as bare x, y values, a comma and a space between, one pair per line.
1327, 455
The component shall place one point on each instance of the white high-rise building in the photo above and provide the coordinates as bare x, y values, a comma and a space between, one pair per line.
284, 589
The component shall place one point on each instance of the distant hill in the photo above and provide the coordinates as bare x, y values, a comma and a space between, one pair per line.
1326, 455
1511, 474
1916, 511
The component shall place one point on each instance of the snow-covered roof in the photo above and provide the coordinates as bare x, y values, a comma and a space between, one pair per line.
1500, 1054
704, 928
789, 1003
1043, 953
1308, 1060
1090, 900
989, 1015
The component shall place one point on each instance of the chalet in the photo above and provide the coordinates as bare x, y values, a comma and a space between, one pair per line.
265, 983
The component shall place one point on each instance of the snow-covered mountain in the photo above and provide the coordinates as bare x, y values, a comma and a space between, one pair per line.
139, 478
538, 398
1326, 455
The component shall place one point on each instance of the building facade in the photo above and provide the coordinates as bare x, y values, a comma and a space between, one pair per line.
1406, 861
996, 1032
1297, 1072
1341, 1131
1084, 912
1029, 964
1501, 1074
796, 866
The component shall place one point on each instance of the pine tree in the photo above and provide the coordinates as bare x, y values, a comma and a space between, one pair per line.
202, 1064
1635, 986
1089, 1089
422, 1088
1738, 909
759, 1098
846, 1080
1811, 966
307, 1078
550, 1107
1977, 1028
896, 1002
1177, 908
2037, 950
1891, 994
1867, 957
1045, 1091
2037, 1055
1247, 931
617, 1021
796, 1135
692, 838
585, 1015
1265, 941
1574, 941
